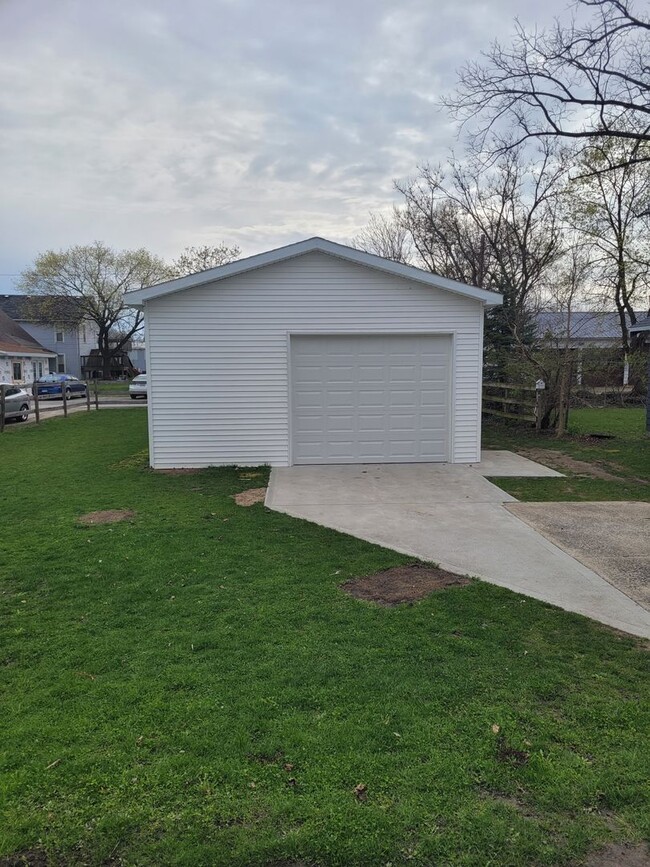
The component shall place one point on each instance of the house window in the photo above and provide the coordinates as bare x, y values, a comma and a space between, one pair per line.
60, 364
59, 336
18, 370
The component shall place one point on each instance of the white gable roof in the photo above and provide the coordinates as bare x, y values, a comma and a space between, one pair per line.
136, 297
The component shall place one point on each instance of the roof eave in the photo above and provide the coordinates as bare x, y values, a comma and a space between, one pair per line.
27, 353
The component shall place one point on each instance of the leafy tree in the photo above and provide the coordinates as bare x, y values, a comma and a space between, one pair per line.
94, 279
195, 259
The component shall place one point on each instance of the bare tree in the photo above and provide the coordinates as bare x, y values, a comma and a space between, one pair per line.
195, 259
93, 279
610, 206
446, 239
564, 293
584, 79
386, 236
498, 229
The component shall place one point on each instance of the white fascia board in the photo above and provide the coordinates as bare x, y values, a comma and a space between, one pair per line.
28, 354
137, 297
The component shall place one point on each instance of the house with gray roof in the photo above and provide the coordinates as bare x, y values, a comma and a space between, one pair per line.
582, 328
68, 338
22, 358
592, 334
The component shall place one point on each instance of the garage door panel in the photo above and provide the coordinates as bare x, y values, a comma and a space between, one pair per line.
431, 397
339, 374
432, 423
336, 399
309, 425
375, 398
401, 397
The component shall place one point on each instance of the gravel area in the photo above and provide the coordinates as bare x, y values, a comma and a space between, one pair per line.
613, 539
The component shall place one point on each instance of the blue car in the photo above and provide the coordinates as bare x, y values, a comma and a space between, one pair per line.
54, 384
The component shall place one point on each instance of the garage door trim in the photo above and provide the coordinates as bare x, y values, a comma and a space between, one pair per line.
449, 333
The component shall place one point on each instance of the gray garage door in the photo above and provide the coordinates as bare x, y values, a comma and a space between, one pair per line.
370, 399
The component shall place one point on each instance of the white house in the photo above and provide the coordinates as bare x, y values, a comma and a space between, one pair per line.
310, 354
22, 358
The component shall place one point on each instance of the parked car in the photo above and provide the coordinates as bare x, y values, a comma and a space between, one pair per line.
138, 387
54, 384
16, 403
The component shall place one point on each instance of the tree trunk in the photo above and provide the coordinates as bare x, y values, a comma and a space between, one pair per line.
563, 398
106, 365
106, 354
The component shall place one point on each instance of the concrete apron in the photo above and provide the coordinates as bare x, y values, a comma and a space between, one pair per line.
451, 515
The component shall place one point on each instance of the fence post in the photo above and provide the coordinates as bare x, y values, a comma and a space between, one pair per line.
37, 408
65, 399
2, 407
540, 385
96, 394
87, 395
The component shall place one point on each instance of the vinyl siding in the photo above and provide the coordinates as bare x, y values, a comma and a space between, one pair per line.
218, 365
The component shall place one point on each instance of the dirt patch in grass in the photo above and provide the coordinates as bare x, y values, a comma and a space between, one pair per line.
620, 855
250, 497
179, 471
402, 584
510, 755
511, 801
107, 516
562, 461
27, 858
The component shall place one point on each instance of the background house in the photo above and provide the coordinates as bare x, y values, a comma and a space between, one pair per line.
138, 354
22, 358
67, 339
594, 336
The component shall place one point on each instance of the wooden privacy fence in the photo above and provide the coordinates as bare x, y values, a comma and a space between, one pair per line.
40, 407
513, 401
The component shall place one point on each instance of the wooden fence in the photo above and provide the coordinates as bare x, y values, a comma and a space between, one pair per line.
40, 407
513, 401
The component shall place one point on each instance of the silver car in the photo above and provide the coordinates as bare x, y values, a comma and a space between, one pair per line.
138, 387
17, 403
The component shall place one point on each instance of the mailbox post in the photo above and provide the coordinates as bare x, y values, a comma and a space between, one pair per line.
540, 386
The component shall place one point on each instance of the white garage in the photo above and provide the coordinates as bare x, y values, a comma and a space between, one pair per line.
315, 353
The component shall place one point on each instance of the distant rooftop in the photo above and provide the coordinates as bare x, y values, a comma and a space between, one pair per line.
642, 324
14, 339
30, 308
584, 324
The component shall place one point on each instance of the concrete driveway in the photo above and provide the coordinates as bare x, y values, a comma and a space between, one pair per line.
451, 515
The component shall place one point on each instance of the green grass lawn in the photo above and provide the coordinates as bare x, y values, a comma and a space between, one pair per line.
193, 688
106, 387
626, 456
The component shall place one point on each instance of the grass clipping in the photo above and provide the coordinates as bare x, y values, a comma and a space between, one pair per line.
402, 584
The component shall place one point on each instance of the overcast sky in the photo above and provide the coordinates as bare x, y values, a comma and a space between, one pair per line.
164, 123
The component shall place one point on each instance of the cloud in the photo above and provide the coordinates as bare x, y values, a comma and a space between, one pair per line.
162, 124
